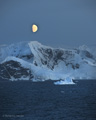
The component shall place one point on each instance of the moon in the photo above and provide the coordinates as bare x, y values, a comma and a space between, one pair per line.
34, 28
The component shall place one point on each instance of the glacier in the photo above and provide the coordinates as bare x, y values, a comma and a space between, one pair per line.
37, 62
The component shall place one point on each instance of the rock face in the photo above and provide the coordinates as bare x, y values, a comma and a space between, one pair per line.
57, 63
14, 70
46, 56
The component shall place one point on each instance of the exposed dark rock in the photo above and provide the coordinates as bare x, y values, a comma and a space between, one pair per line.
27, 56
87, 54
14, 69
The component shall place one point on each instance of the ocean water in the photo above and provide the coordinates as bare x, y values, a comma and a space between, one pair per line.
26, 100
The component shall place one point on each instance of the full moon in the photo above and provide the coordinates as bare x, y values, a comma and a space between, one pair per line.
34, 28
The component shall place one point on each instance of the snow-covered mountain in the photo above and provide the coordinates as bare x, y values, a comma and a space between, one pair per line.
34, 61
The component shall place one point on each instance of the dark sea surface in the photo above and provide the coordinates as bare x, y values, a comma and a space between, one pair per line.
26, 100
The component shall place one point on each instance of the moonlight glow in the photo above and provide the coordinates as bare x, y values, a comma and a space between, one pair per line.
34, 28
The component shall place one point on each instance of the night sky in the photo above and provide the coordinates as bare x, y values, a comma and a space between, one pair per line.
62, 23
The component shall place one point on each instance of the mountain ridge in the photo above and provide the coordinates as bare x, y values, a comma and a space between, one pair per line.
45, 62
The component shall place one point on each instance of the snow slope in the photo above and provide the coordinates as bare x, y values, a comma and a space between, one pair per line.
19, 50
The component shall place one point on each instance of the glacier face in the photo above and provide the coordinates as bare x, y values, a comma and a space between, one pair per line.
34, 61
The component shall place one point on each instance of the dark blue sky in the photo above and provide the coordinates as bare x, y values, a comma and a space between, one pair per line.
61, 22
